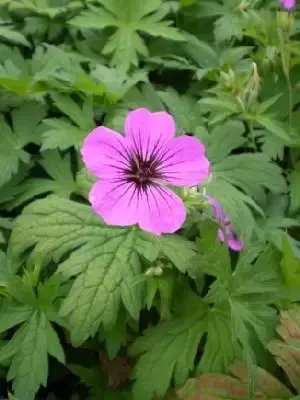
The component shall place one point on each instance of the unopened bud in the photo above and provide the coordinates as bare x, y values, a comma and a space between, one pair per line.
251, 89
228, 79
285, 21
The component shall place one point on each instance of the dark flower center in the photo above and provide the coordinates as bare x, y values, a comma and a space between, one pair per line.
143, 172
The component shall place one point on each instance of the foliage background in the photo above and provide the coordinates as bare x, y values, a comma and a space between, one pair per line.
90, 311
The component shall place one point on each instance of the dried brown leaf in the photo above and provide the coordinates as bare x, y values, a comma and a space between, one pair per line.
287, 357
219, 386
116, 371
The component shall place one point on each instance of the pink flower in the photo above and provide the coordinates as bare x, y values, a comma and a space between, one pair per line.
288, 4
229, 235
134, 171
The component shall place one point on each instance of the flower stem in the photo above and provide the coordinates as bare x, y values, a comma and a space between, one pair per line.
251, 130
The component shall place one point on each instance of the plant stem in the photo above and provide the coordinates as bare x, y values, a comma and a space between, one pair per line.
251, 130
285, 60
290, 93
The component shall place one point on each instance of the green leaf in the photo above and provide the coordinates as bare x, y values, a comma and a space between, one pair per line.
242, 311
271, 146
223, 139
260, 282
12, 314
214, 259
227, 27
167, 351
61, 183
28, 77
184, 109
290, 265
125, 45
83, 116
178, 250
103, 261
154, 27
62, 134
201, 52
116, 337
294, 179
239, 181
92, 377
27, 351
46, 8
274, 127
252, 173
96, 18
144, 96
84, 181
25, 129
5, 223
227, 105
101, 288
236, 205
253, 318
175, 248
220, 348
117, 81
13, 36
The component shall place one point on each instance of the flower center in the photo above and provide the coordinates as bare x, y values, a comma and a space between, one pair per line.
142, 172
145, 171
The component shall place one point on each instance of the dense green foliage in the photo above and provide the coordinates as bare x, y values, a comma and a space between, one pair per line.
90, 311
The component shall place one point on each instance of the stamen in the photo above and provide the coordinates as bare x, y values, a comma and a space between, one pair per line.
143, 171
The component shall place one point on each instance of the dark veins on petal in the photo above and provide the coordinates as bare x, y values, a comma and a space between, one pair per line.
143, 172
144, 166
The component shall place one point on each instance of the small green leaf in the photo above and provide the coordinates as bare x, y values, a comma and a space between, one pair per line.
61, 183
178, 250
227, 104
168, 350
228, 26
274, 127
13, 36
184, 108
25, 129
12, 313
28, 353
62, 134
201, 52
225, 138
220, 349
290, 266
294, 179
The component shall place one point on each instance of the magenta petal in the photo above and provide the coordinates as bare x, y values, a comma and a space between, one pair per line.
288, 4
218, 211
231, 241
115, 202
148, 131
184, 162
105, 153
161, 211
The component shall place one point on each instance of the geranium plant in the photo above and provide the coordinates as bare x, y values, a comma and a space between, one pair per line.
149, 199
